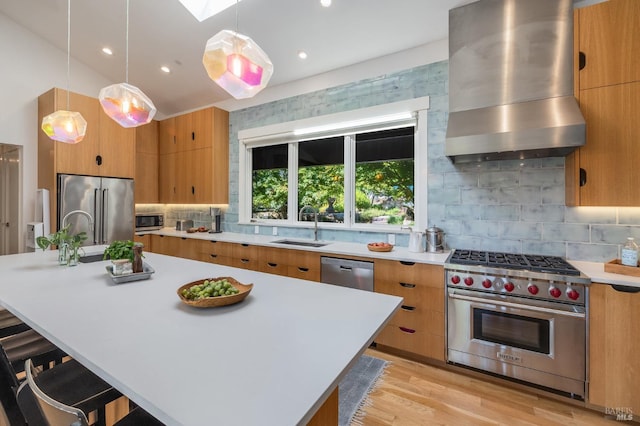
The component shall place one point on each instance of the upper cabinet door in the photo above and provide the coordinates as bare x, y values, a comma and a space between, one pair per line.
117, 148
609, 38
194, 130
167, 143
79, 158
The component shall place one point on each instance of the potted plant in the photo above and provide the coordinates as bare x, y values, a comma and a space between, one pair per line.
68, 245
126, 256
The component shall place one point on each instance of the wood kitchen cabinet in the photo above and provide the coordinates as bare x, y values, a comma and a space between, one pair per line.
106, 150
603, 171
292, 263
188, 248
419, 325
145, 240
614, 345
218, 252
146, 180
194, 158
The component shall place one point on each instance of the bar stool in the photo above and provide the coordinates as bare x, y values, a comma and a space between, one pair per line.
54, 411
10, 324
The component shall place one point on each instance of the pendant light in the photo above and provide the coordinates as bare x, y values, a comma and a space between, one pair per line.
236, 63
126, 104
65, 126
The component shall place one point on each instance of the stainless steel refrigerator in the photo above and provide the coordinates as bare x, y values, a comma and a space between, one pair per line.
101, 207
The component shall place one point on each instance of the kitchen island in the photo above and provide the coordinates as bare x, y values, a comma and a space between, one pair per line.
274, 358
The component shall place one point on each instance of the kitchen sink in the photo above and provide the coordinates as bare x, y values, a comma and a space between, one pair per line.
301, 243
90, 258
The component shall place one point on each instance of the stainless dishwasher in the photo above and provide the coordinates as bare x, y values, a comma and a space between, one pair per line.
347, 273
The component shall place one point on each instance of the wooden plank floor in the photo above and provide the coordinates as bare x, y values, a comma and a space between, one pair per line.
412, 393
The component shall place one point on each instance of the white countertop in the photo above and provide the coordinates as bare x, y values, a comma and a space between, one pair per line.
332, 247
272, 359
595, 271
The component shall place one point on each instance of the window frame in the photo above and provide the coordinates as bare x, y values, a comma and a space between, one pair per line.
346, 123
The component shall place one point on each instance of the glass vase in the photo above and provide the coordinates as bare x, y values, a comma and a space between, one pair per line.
74, 256
63, 253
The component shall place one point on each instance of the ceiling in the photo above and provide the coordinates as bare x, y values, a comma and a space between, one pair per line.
163, 32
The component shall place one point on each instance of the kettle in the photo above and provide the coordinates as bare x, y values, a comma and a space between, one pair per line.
435, 240
416, 244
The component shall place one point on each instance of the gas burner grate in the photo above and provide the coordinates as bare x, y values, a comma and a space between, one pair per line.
536, 263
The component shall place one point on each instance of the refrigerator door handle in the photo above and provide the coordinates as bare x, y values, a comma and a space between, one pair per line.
96, 209
105, 215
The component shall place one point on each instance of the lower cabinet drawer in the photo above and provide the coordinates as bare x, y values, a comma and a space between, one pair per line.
246, 263
277, 268
414, 340
218, 260
304, 273
419, 319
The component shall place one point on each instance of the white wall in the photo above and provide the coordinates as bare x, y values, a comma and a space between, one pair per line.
30, 67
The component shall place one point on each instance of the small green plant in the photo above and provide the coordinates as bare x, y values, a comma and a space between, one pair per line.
122, 249
60, 237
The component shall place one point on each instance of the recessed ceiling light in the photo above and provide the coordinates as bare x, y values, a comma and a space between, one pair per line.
325, 3
302, 54
107, 51
165, 69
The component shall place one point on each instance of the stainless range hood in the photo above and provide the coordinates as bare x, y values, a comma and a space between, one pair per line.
511, 81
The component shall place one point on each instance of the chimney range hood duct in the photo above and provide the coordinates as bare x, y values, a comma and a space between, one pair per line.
511, 81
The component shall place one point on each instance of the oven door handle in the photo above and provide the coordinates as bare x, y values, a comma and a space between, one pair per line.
518, 306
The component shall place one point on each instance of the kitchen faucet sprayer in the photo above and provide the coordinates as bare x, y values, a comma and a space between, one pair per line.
315, 220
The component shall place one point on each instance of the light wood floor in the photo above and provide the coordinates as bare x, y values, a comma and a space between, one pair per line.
412, 393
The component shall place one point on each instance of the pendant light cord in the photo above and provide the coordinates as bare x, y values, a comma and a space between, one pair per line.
126, 60
68, 49
237, 7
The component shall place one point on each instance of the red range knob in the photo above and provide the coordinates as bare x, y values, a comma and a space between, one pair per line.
455, 279
555, 292
486, 283
533, 289
468, 281
572, 294
509, 286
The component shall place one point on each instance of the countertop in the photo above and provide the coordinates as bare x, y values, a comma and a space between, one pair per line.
594, 270
272, 359
332, 247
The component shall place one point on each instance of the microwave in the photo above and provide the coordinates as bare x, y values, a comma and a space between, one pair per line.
149, 221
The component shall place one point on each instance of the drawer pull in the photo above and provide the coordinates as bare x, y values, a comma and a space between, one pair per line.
272, 265
301, 269
213, 255
407, 330
407, 285
213, 241
407, 308
244, 245
407, 263
244, 260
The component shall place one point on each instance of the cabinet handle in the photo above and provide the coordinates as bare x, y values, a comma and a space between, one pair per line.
174, 139
301, 269
99, 160
213, 255
174, 189
407, 330
213, 241
407, 285
583, 177
406, 263
183, 238
244, 260
625, 289
193, 190
272, 265
193, 136
407, 308
582, 61
244, 245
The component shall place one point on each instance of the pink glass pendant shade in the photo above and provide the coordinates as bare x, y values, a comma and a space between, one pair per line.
127, 105
65, 126
237, 64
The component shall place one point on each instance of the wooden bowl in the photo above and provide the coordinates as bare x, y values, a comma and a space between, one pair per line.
378, 247
212, 302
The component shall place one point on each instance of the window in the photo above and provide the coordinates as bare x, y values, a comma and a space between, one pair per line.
364, 176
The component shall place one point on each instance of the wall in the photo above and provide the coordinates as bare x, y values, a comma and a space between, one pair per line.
515, 206
31, 66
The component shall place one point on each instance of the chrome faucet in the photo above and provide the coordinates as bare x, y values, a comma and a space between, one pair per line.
82, 212
315, 220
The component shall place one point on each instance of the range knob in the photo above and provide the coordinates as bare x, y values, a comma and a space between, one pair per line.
555, 292
468, 281
572, 294
455, 279
533, 289
486, 283
509, 286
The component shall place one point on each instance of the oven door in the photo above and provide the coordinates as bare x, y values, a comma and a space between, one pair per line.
535, 341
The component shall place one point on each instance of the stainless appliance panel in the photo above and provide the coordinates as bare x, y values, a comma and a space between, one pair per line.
79, 193
109, 201
563, 327
347, 273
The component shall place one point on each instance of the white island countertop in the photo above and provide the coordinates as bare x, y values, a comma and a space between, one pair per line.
272, 359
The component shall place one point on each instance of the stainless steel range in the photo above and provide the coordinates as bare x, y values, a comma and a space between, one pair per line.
518, 316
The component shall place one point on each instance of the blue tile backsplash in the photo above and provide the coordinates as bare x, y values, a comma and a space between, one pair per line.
513, 206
